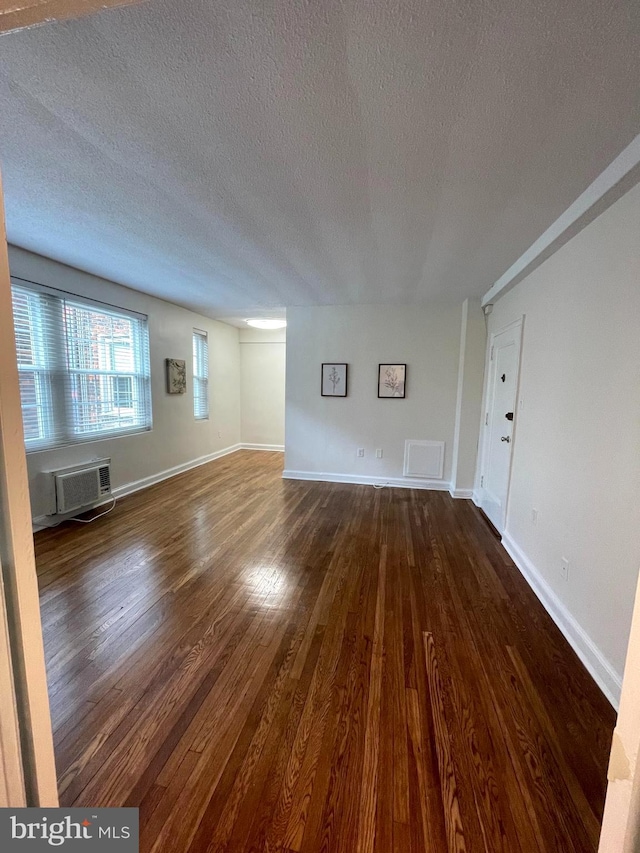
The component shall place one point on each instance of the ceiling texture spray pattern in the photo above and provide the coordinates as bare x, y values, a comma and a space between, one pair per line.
237, 157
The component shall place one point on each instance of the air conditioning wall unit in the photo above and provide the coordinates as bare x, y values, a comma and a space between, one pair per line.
80, 486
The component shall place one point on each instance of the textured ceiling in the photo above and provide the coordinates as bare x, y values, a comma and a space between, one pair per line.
239, 156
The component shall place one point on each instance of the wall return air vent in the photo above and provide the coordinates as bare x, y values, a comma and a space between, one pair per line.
424, 459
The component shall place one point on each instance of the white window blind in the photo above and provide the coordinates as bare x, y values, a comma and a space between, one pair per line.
83, 367
200, 375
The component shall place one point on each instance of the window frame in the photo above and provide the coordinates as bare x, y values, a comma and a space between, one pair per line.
55, 375
199, 338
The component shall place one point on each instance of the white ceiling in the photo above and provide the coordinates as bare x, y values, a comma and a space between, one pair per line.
237, 157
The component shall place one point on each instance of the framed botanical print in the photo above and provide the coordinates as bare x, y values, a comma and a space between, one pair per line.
392, 379
334, 380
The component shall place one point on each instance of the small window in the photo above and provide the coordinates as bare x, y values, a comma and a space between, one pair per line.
83, 368
200, 375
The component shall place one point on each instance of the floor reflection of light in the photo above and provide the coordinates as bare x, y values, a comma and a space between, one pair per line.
200, 530
269, 585
93, 596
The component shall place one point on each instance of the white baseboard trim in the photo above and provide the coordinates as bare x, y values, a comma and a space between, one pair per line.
461, 493
277, 447
145, 482
603, 673
475, 497
361, 480
45, 521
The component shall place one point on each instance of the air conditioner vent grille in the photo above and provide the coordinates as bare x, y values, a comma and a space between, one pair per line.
77, 489
105, 479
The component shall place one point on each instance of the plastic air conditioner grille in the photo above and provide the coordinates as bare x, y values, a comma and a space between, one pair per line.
79, 489
105, 480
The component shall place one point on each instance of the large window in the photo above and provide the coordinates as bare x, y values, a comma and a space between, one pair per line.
83, 366
200, 375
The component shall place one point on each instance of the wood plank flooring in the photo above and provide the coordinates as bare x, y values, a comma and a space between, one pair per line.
269, 665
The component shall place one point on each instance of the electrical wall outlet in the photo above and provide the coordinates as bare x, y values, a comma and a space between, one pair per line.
361, 452
564, 569
534, 516
379, 453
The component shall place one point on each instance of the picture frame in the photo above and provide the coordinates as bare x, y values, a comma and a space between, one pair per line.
392, 381
176, 370
334, 379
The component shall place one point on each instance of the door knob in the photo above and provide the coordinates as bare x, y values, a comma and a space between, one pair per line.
505, 438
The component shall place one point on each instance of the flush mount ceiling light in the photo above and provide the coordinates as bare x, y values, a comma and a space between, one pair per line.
263, 323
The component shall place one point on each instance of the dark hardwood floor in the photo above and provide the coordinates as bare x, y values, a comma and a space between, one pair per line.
269, 665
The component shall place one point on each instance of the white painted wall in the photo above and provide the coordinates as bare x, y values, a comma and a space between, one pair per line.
576, 454
176, 438
323, 433
262, 370
473, 333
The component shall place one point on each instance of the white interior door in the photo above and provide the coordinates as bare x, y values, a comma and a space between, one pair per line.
500, 417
